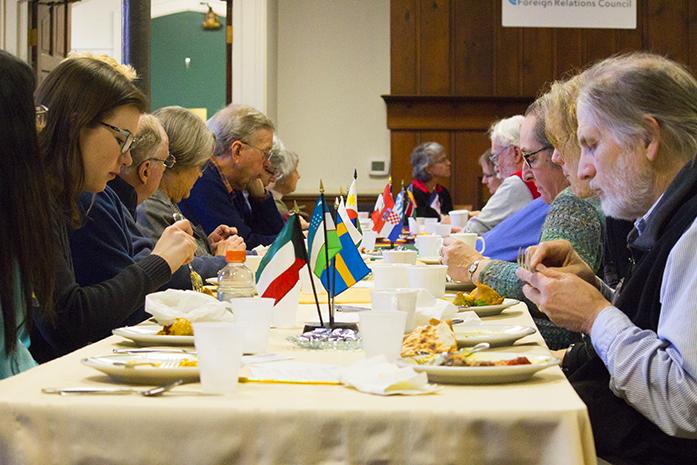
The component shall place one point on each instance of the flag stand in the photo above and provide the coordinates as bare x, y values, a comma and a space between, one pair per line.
296, 211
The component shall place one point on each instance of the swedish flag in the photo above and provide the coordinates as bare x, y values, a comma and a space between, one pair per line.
349, 267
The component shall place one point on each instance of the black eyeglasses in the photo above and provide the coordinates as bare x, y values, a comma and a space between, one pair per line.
169, 162
129, 140
528, 156
265, 153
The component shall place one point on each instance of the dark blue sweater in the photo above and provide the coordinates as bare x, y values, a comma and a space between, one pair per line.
110, 240
210, 205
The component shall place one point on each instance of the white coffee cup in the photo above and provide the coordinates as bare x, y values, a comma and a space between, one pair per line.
459, 217
389, 275
429, 277
382, 333
400, 256
431, 220
442, 230
253, 316
428, 246
219, 349
283, 313
402, 299
470, 239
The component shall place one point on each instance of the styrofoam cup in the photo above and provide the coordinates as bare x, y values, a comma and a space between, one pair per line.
382, 333
253, 316
219, 349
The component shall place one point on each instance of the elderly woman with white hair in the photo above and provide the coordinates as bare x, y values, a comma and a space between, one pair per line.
430, 163
191, 145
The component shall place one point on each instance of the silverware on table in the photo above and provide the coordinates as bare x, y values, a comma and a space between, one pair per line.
152, 392
522, 258
196, 280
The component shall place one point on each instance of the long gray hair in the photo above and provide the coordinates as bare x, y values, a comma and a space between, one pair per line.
422, 157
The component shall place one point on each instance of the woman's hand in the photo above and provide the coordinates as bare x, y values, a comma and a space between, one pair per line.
234, 242
458, 256
176, 245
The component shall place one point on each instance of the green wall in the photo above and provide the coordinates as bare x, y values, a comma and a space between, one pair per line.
175, 37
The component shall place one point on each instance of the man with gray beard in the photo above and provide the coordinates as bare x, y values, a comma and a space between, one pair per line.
637, 369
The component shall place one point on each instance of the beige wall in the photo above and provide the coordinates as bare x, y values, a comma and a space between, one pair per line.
333, 65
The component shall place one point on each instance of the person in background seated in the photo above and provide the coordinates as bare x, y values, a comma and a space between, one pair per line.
489, 177
514, 192
191, 146
109, 239
26, 273
243, 140
569, 217
430, 164
637, 370
90, 128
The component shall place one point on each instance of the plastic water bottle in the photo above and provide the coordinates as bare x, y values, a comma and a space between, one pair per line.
235, 279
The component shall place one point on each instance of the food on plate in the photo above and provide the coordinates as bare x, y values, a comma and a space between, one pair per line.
180, 327
431, 339
480, 296
462, 358
210, 290
188, 362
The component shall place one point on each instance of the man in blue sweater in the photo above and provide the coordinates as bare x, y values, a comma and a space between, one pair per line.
230, 190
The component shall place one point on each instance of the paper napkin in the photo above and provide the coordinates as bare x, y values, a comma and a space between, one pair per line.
428, 307
167, 306
377, 376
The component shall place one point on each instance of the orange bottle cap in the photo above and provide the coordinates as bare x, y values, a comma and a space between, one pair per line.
236, 256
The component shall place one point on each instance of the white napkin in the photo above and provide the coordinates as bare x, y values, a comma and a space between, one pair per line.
260, 250
428, 307
166, 306
377, 376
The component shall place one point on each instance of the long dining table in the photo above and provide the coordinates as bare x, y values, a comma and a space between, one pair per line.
539, 421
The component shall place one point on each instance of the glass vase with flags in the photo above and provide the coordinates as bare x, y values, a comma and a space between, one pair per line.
279, 270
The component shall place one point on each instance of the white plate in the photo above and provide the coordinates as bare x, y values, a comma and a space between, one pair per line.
487, 375
429, 260
144, 374
490, 310
495, 335
146, 335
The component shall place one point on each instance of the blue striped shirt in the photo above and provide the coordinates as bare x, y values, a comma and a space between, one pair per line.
656, 372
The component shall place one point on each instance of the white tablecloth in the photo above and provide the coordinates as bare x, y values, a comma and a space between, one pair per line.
540, 421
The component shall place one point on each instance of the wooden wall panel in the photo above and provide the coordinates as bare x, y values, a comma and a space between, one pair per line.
403, 56
473, 48
455, 70
434, 47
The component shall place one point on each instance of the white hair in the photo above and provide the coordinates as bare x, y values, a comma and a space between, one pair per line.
506, 131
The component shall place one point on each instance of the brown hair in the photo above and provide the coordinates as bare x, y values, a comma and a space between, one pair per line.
79, 93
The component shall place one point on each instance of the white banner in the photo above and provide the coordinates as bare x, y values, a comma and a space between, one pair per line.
591, 14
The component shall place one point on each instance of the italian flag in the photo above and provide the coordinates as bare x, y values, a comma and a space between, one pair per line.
279, 269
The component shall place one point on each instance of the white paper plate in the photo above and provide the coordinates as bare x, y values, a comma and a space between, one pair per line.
490, 310
495, 335
113, 366
487, 375
429, 260
146, 335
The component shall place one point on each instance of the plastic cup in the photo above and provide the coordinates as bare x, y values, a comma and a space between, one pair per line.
219, 349
253, 317
382, 332
459, 217
403, 300
389, 275
429, 277
284, 311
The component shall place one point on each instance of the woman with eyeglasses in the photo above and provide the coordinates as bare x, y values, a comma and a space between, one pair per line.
489, 177
430, 164
90, 126
191, 146
26, 276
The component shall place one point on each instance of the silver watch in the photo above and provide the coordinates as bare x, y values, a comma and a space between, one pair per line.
473, 269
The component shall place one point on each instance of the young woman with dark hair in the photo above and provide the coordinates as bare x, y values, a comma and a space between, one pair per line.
90, 127
25, 267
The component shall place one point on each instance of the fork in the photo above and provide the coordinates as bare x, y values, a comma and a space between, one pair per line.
522, 258
196, 280
156, 364
152, 392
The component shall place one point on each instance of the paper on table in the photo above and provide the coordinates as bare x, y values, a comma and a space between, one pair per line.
291, 372
166, 306
377, 376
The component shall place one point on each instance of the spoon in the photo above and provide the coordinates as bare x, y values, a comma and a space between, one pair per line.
153, 392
